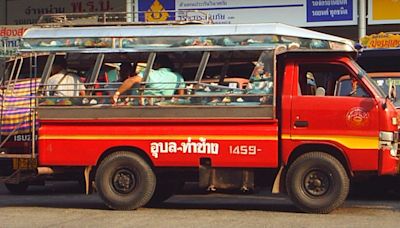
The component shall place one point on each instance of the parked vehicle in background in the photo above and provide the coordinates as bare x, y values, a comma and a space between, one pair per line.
382, 66
379, 58
141, 148
389, 82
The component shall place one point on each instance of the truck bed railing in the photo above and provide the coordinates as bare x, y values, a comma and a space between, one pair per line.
18, 116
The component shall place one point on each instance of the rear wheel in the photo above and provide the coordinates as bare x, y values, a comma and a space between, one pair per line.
317, 182
19, 188
125, 181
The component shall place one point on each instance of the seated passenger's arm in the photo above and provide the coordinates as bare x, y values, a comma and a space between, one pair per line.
181, 91
82, 93
181, 86
126, 85
81, 88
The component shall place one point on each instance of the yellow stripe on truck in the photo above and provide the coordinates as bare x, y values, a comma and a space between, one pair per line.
351, 142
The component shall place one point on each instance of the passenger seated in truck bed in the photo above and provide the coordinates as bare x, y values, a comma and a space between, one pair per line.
162, 81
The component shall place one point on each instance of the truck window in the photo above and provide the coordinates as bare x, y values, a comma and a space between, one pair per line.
238, 78
328, 80
210, 78
220, 77
349, 87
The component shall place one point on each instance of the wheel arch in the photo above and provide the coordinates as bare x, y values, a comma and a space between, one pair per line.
325, 148
131, 149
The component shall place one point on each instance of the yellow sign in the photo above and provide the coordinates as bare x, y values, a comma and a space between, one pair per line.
381, 40
156, 12
386, 9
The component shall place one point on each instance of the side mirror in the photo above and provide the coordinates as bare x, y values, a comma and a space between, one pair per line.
392, 95
384, 104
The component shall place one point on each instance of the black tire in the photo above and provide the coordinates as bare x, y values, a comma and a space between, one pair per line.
17, 189
317, 182
125, 181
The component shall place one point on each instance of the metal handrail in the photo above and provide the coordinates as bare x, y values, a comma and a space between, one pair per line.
122, 18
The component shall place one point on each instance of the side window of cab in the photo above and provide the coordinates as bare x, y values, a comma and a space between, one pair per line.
350, 86
321, 79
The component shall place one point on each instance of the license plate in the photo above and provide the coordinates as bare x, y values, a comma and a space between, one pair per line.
24, 163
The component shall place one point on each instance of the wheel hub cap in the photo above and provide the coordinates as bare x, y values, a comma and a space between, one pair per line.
316, 183
124, 181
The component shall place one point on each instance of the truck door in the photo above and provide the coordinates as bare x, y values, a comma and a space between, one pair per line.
327, 112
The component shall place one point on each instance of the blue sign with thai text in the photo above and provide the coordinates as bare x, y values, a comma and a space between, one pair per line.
329, 10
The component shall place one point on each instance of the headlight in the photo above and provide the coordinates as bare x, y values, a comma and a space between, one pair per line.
389, 140
393, 150
394, 120
386, 136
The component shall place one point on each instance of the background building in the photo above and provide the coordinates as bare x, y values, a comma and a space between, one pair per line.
2, 12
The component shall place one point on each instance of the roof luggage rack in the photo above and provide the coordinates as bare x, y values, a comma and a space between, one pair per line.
125, 18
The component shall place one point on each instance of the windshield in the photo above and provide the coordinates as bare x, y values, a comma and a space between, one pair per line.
362, 74
384, 84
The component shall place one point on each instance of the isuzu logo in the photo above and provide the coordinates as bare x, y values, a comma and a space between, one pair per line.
23, 138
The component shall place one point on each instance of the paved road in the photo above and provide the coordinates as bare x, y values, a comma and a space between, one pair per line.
62, 205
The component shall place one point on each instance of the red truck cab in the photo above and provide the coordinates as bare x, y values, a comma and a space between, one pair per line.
335, 113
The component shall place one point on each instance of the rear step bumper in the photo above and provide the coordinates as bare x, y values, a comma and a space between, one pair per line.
4, 155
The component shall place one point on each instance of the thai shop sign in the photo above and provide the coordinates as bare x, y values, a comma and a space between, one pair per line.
383, 12
9, 38
304, 13
29, 11
381, 40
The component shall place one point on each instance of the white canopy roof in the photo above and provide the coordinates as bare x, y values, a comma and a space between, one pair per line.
180, 30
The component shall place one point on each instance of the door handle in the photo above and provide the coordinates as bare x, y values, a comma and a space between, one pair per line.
300, 123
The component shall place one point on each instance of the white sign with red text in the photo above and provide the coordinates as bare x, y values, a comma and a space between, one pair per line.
11, 31
9, 38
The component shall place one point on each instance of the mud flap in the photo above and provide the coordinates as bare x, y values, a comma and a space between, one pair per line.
277, 182
87, 179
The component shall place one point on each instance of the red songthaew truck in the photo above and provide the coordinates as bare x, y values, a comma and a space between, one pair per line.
290, 125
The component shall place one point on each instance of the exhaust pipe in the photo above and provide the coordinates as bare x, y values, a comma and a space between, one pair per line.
44, 170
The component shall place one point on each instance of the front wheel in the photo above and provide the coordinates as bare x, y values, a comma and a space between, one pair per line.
125, 181
317, 183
